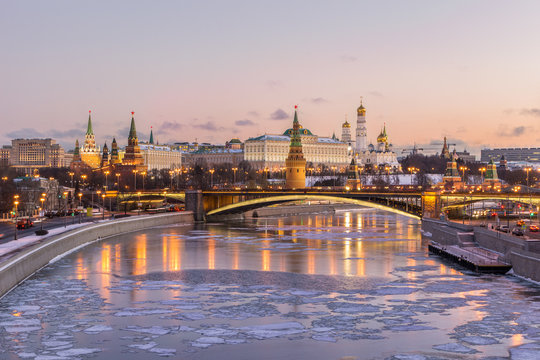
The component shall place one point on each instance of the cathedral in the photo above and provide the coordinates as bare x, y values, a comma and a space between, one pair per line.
371, 158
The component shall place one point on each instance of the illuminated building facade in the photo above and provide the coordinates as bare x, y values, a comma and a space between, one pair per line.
270, 151
29, 154
371, 157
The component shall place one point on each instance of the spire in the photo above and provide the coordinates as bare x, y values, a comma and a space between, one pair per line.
384, 130
132, 130
295, 115
89, 130
77, 148
151, 141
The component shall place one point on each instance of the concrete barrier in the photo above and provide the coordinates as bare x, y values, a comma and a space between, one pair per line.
525, 264
17, 268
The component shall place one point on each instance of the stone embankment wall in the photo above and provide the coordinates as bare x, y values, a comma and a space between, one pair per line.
523, 254
17, 268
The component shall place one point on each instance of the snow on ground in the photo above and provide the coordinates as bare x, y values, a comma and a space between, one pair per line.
13, 245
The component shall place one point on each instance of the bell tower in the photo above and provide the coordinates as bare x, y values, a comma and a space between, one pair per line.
361, 130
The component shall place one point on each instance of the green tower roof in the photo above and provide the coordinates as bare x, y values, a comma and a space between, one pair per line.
151, 141
132, 130
89, 130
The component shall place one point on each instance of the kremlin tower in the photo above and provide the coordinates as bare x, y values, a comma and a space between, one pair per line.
90, 153
133, 154
295, 163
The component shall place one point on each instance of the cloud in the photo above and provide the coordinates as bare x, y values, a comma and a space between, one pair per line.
349, 58
245, 122
530, 112
25, 133
318, 100
208, 126
512, 132
279, 114
169, 126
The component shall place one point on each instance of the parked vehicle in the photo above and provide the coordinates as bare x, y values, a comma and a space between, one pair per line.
503, 228
24, 224
517, 232
533, 228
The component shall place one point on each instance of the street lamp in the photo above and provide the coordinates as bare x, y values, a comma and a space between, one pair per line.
170, 179
234, 169
139, 202
80, 199
482, 171
334, 168
65, 208
117, 181
135, 177
463, 168
16, 203
143, 178
103, 212
83, 177
42, 200
107, 172
71, 174
98, 194
211, 177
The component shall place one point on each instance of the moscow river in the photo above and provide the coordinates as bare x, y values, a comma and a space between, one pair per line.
354, 285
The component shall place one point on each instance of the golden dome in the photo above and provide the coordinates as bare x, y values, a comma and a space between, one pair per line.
361, 109
346, 125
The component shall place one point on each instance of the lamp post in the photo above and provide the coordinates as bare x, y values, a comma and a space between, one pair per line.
211, 178
170, 179
98, 194
71, 174
103, 212
234, 169
482, 171
107, 172
117, 181
16, 203
65, 208
138, 203
42, 199
135, 178
334, 169
143, 178
164, 198
83, 177
463, 168
80, 199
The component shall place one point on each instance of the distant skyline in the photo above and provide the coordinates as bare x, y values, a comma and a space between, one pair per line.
214, 70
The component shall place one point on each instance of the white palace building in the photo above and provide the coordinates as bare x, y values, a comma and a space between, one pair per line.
270, 151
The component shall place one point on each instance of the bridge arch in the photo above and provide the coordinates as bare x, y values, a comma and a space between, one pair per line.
251, 204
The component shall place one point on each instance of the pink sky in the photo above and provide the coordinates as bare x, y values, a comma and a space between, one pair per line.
211, 71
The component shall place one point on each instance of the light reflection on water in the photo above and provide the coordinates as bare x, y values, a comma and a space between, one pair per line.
289, 245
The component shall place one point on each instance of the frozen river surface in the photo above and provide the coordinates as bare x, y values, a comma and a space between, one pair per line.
355, 285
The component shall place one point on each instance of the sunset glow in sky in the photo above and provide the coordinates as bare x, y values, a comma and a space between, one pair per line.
213, 70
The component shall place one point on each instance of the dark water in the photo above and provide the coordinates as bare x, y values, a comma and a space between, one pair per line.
357, 284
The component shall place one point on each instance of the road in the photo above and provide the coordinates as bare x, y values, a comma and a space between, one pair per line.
7, 229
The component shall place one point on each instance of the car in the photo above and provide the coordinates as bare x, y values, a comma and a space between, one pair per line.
503, 228
533, 228
517, 232
520, 223
24, 224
